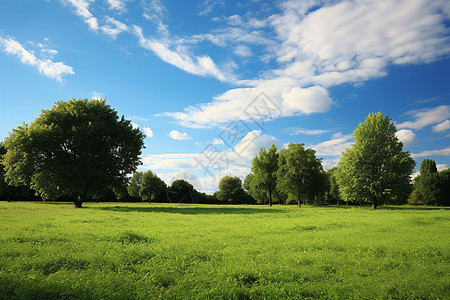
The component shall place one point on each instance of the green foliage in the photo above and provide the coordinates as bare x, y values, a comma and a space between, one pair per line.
433, 186
77, 149
134, 187
264, 168
375, 168
300, 173
416, 198
185, 251
181, 191
332, 188
152, 187
428, 167
231, 191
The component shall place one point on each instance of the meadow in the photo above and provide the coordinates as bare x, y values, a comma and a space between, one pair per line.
167, 251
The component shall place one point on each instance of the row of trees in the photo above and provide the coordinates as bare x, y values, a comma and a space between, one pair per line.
81, 150
374, 170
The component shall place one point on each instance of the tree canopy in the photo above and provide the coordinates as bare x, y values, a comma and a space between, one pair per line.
152, 187
231, 190
299, 172
76, 149
375, 167
264, 168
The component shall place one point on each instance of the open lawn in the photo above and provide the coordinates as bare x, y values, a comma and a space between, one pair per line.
146, 251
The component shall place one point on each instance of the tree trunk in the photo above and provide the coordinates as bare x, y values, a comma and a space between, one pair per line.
78, 201
375, 203
299, 202
270, 199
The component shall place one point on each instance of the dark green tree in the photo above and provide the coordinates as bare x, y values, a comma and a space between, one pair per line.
375, 168
76, 149
428, 167
181, 191
231, 191
134, 187
444, 199
264, 168
300, 173
152, 187
429, 184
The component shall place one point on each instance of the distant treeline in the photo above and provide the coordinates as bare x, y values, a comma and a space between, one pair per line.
80, 150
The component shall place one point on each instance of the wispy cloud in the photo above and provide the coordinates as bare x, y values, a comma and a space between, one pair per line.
82, 10
113, 27
181, 58
97, 95
297, 131
46, 67
442, 126
207, 6
440, 152
117, 5
426, 117
335, 146
176, 135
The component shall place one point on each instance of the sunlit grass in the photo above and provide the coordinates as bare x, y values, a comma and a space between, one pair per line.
204, 251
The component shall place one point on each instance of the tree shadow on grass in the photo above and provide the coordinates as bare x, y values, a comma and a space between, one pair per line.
412, 208
237, 210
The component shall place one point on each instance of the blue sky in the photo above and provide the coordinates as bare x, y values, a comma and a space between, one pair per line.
212, 81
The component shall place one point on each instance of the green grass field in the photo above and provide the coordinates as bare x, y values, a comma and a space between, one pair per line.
147, 251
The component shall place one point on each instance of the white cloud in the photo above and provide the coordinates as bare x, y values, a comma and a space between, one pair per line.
442, 126
45, 66
441, 167
118, 5
426, 117
207, 6
148, 132
297, 131
340, 42
176, 135
406, 136
440, 152
113, 27
135, 126
253, 141
309, 100
181, 58
335, 146
97, 95
82, 10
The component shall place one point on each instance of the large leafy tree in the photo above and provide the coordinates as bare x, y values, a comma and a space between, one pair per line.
375, 168
264, 168
153, 188
299, 172
76, 149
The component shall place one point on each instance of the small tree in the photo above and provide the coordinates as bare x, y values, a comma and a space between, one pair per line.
134, 187
231, 191
264, 167
77, 149
299, 172
152, 188
375, 167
